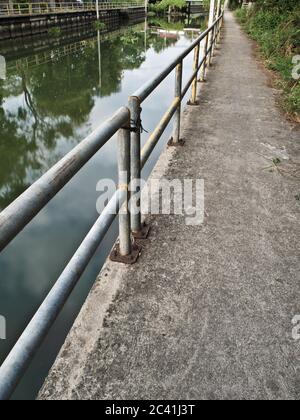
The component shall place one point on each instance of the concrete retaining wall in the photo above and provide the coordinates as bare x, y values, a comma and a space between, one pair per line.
23, 26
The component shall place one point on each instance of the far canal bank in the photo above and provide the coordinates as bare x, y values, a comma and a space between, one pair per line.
40, 21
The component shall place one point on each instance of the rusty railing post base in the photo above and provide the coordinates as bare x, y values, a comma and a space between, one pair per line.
143, 233
130, 259
172, 143
196, 103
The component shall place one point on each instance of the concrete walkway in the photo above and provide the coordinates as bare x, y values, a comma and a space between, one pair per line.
207, 311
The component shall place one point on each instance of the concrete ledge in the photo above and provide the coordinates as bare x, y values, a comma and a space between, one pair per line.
90, 323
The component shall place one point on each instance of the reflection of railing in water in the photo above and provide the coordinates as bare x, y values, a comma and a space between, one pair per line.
158, 31
59, 52
29, 9
48, 56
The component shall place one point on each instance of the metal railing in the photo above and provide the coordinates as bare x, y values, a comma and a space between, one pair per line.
131, 159
29, 9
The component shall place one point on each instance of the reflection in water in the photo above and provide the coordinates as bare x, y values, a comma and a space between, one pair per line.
49, 102
47, 98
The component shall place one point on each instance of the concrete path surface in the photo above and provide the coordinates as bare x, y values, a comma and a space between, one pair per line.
207, 311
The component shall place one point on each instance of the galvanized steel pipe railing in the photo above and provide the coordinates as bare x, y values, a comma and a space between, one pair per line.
18, 214
210, 38
28, 205
131, 160
18, 360
124, 180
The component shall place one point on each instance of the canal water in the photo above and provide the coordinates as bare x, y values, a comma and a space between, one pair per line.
55, 93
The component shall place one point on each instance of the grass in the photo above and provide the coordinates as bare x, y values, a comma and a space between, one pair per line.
278, 35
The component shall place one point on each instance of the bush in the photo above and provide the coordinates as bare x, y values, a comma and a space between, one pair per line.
164, 5
234, 4
151, 13
275, 26
285, 5
99, 26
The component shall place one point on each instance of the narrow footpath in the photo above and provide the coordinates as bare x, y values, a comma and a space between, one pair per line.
207, 311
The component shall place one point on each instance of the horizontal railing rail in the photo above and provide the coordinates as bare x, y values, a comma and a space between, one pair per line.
23, 9
131, 159
18, 214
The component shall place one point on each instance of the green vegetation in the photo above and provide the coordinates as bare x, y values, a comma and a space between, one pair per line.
165, 5
99, 26
275, 25
151, 14
54, 31
177, 6
234, 4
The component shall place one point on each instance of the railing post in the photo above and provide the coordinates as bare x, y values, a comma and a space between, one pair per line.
175, 140
211, 33
193, 100
135, 110
220, 29
204, 65
211, 46
126, 252
219, 8
139, 230
217, 33
124, 180
215, 38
